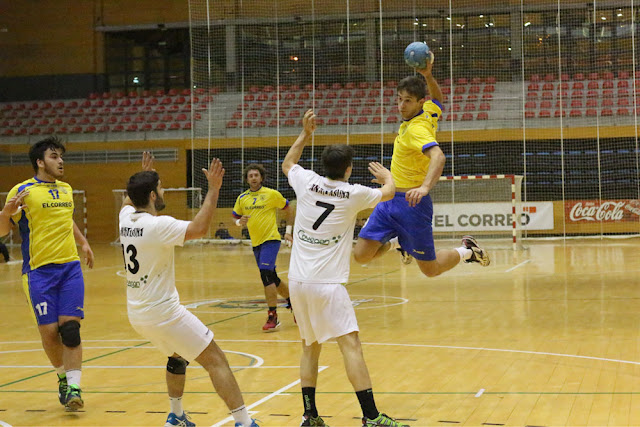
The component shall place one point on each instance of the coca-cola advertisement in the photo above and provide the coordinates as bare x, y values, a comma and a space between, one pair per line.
587, 211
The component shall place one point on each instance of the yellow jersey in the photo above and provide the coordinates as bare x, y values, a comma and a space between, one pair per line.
45, 223
409, 165
261, 205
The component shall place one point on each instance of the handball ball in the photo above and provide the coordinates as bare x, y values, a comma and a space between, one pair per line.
417, 54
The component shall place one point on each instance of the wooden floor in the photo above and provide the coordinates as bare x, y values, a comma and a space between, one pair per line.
547, 335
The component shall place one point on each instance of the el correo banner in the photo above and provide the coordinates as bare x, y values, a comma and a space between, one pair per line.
491, 216
602, 210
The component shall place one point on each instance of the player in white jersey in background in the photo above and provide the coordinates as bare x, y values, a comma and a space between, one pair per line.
326, 212
153, 303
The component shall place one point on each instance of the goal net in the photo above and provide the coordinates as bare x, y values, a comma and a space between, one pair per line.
545, 90
79, 216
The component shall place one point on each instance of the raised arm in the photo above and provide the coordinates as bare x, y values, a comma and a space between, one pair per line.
432, 85
293, 156
147, 165
383, 176
199, 227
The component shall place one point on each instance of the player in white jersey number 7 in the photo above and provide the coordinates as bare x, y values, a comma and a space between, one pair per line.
153, 304
322, 239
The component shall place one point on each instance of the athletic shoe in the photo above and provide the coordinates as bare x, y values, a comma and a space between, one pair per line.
253, 424
174, 420
479, 255
308, 420
382, 420
62, 389
272, 322
406, 258
73, 400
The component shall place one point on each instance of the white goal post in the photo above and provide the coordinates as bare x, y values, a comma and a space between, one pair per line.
486, 205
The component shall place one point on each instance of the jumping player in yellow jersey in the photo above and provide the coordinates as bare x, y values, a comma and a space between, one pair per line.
404, 222
51, 275
256, 208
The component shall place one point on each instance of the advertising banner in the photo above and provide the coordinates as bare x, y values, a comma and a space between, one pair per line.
491, 216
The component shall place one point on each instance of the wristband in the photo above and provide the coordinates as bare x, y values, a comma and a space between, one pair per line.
288, 229
238, 222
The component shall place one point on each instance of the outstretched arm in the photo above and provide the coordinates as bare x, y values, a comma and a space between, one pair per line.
383, 176
199, 227
432, 84
293, 156
147, 165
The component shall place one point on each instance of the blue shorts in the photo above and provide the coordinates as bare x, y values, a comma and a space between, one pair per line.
266, 254
412, 226
55, 290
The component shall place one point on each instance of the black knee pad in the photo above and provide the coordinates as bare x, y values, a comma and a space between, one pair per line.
70, 333
177, 365
269, 277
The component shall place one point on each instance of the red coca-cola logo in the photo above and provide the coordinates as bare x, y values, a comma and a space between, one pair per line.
592, 211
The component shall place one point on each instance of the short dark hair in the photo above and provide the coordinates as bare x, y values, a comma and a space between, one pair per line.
336, 159
255, 166
414, 86
36, 152
140, 186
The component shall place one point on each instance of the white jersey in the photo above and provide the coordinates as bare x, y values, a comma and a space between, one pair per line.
325, 217
147, 246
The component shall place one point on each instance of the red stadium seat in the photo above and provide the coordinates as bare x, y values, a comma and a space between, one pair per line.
592, 94
559, 113
534, 78
623, 93
575, 113
622, 112
333, 121
362, 120
577, 86
147, 127
623, 74
533, 87
606, 112
607, 84
470, 107
347, 120
162, 126
576, 103
530, 105
467, 117
607, 93
593, 85
482, 116
529, 114
174, 126
451, 117
485, 106
548, 86
623, 84
577, 94
591, 112
232, 124
578, 76
543, 114
391, 119
607, 103
547, 95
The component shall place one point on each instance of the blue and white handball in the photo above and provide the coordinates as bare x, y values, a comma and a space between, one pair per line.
417, 54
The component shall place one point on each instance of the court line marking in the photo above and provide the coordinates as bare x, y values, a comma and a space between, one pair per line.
269, 397
148, 367
604, 359
479, 393
3, 424
519, 265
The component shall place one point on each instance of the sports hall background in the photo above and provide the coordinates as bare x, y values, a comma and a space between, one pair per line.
545, 90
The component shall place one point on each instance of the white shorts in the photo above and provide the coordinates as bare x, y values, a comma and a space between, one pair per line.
185, 335
323, 311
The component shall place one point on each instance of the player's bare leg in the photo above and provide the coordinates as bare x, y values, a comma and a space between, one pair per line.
51, 343
283, 289
367, 250
69, 330
308, 381
175, 388
445, 260
271, 295
354, 363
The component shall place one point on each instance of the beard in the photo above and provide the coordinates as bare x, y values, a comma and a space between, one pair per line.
53, 171
159, 204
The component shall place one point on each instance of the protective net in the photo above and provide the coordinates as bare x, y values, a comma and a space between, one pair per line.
543, 90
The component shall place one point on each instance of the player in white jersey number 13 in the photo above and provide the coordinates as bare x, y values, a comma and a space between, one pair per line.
326, 212
153, 304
